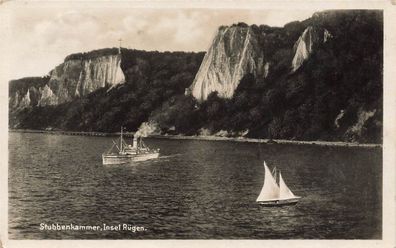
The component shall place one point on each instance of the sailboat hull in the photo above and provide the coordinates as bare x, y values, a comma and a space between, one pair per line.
279, 203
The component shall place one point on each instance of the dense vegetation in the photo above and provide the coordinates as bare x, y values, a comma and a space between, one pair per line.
92, 54
151, 78
342, 75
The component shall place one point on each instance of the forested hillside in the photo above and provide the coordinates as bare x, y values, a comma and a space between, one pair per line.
332, 90
335, 95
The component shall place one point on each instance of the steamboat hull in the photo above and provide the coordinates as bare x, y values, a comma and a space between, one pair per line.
144, 157
114, 159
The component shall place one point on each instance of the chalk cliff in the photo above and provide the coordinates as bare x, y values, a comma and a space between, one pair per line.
79, 77
98, 72
76, 77
25, 101
233, 53
304, 46
47, 97
236, 51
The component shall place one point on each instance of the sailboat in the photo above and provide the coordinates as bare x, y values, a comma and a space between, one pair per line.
125, 153
273, 194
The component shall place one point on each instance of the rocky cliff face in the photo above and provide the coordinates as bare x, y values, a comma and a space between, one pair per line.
25, 101
76, 77
71, 79
13, 101
304, 46
20, 99
233, 53
98, 72
236, 51
47, 97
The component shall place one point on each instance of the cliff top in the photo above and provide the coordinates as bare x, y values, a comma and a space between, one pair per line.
92, 54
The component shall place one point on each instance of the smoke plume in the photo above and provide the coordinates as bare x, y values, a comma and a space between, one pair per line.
146, 128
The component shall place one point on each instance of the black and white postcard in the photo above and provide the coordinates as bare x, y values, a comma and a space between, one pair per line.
197, 124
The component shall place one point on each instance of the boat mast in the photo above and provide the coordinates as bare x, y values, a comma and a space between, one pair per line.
274, 172
121, 140
278, 174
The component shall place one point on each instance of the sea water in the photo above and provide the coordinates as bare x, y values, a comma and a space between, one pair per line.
195, 190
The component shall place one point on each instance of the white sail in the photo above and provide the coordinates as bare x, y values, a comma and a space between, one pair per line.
284, 191
270, 190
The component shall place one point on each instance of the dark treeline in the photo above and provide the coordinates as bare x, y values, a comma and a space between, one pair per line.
92, 54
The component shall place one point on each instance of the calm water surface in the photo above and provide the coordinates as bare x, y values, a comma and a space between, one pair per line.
195, 190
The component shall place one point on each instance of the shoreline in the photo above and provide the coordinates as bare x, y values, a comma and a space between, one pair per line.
267, 141
208, 138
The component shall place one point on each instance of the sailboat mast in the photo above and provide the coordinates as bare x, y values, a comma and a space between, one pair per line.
278, 175
274, 171
121, 140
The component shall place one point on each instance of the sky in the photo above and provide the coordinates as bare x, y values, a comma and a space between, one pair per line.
41, 37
